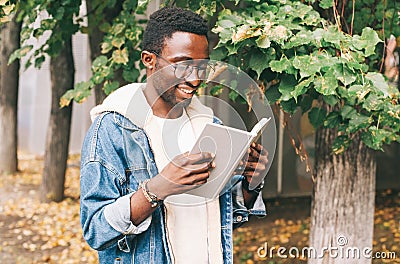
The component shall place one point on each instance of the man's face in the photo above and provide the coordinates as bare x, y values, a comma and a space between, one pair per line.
181, 47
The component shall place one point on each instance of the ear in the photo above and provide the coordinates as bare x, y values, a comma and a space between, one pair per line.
148, 59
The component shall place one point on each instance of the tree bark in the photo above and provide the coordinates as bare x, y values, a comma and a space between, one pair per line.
9, 80
342, 213
56, 154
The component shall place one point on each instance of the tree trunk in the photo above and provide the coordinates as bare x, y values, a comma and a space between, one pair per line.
9, 78
56, 154
342, 213
96, 36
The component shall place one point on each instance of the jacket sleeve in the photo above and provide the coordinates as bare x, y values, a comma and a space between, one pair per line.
105, 215
240, 212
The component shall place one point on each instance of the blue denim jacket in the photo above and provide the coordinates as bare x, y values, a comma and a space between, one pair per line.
116, 157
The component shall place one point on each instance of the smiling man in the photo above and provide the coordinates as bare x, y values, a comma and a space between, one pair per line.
135, 164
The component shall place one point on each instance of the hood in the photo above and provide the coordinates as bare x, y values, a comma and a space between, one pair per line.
130, 102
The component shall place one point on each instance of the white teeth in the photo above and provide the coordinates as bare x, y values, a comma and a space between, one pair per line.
187, 91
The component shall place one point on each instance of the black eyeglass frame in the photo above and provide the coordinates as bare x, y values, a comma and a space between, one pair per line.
188, 68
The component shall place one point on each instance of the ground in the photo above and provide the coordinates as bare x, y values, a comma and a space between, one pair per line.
33, 232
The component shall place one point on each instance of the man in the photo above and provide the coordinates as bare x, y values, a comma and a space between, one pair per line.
133, 203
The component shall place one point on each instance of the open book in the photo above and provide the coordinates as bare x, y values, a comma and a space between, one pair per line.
229, 146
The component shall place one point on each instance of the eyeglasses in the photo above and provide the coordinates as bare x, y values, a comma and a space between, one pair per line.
184, 69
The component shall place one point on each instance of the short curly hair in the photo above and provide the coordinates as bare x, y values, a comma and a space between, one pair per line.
168, 20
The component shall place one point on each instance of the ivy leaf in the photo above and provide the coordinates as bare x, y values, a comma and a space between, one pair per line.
340, 144
289, 106
344, 74
330, 99
301, 87
307, 65
347, 112
367, 41
131, 75
263, 42
358, 121
379, 82
259, 61
359, 91
233, 95
332, 120
19, 53
110, 86
326, 84
317, 116
306, 103
279, 66
120, 56
325, 4
286, 86
99, 62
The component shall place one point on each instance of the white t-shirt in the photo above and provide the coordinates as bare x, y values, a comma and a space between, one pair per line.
193, 222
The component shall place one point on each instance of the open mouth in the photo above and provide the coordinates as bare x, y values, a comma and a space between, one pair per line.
187, 91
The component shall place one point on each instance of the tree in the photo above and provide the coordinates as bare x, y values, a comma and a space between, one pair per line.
307, 64
61, 20
99, 13
9, 79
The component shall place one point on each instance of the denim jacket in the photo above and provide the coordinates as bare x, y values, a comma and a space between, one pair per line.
116, 156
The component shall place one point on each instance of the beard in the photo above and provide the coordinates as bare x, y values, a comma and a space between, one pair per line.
169, 97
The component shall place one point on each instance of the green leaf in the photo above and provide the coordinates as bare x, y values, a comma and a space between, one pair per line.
347, 112
131, 75
99, 62
372, 103
340, 144
19, 53
358, 121
325, 4
110, 86
306, 103
117, 42
372, 39
272, 94
120, 56
216, 90
326, 84
367, 41
330, 99
307, 65
286, 86
233, 95
279, 66
301, 87
344, 74
263, 42
258, 61
317, 116
332, 120
379, 82
289, 106
358, 91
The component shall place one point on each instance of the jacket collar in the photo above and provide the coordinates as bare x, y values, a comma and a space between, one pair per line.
130, 102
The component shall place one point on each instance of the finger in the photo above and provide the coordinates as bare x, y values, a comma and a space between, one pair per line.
199, 178
199, 157
200, 168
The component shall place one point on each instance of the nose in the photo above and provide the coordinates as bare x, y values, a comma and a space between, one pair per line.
193, 78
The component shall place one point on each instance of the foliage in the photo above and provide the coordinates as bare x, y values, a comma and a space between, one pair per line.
314, 64
50, 22
120, 50
7, 8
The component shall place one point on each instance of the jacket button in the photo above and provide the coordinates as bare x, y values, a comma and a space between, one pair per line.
239, 218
